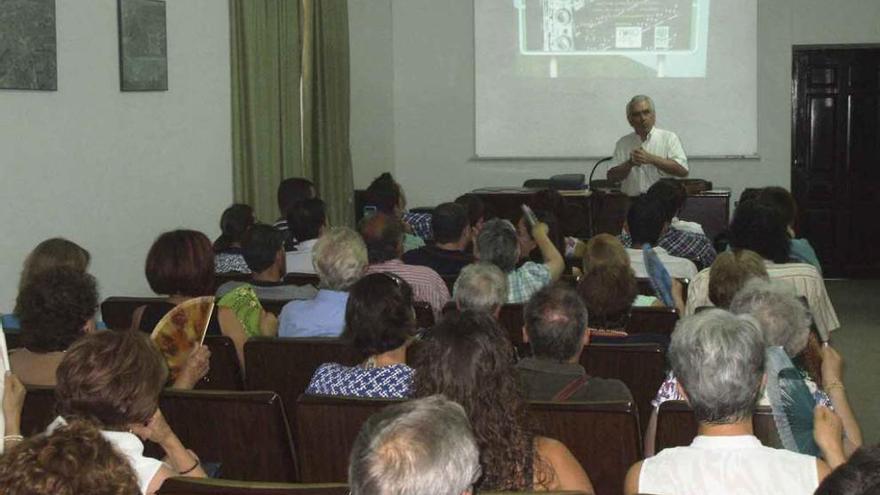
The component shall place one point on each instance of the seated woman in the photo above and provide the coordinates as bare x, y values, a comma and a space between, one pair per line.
73, 460
180, 265
468, 358
339, 258
235, 221
379, 322
609, 289
761, 228
114, 378
719, 358
800, 249
51, 253
730, 272
56, 307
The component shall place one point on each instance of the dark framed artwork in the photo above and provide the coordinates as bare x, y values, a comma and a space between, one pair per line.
143, 51
28, 45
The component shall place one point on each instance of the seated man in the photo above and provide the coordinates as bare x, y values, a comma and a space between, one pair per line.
682, 239
452, 234
480, 287
340, 258
263, 251
383, 235
306, 221
556, 330
419, 446
719, 361
646, 223
498, 244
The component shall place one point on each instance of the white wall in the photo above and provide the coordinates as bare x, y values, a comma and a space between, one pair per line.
111, 170
433, 94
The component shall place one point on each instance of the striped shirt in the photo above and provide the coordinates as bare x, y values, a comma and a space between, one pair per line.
426, 284
803, 278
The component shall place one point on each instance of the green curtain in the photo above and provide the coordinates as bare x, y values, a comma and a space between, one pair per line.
266, 125
326, 106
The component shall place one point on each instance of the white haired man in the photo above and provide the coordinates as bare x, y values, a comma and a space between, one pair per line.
647, 154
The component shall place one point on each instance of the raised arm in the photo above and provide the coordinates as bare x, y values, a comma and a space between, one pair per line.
552, 259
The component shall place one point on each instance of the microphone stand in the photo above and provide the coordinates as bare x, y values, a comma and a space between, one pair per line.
593, 201
600, 162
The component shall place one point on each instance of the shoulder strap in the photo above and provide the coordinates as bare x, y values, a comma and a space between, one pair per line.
570, 388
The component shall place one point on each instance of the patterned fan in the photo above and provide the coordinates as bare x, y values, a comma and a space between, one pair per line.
183, 329
660, 279
791, 401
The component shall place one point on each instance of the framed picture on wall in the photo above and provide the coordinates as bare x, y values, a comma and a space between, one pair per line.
143, 49
28, 45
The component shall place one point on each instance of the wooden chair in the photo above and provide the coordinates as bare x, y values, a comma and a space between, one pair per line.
222, 278
247, 433
640, 366
676, 426
116, 311
603, 436
286, 365
326, 428
302, 279
225, 371
651, 319
207, 486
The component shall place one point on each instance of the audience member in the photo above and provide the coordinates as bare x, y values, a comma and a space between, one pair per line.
379, 322
291, 191
13, 403
682, 239
556, 330
468, 358
760, 228
646, 223
263, 250
340, 258
383, 236
234, 223
114, 378
476, 211
74, 460
306, 221
498, 244
51, 253
730, 272
386, 196
57, 306
859, 476
528, 247
480, 287
800, 250
452, 234
419, 446
719, 360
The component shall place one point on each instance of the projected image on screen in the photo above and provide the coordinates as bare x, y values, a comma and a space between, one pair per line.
667, 37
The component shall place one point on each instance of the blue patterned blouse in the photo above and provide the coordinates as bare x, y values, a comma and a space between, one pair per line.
385, 382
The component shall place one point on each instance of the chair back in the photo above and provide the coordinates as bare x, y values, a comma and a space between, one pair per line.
247, 433
640, 366
302, 279
286, 365
326, 428
652, 319
603, 436
116, 311
677, 427
222, 278
424, 314
207, 486
224, 372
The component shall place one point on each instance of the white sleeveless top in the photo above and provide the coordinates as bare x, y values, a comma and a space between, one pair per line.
728, 465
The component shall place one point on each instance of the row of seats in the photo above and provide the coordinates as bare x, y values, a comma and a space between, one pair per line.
254, 438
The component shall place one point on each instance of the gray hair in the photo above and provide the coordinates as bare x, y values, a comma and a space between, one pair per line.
638, 99
555, 319
480, 287
718, 358
339, 258
785, 321
498, 244
419, 446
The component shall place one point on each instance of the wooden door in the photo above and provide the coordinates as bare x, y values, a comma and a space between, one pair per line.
835, 174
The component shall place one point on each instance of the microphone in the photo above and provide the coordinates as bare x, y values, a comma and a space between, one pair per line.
600, 162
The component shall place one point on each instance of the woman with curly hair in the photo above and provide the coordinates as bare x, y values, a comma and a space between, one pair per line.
468, 358
234, 223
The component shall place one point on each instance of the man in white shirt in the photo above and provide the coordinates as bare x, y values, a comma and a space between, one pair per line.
646, 223
648, 154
